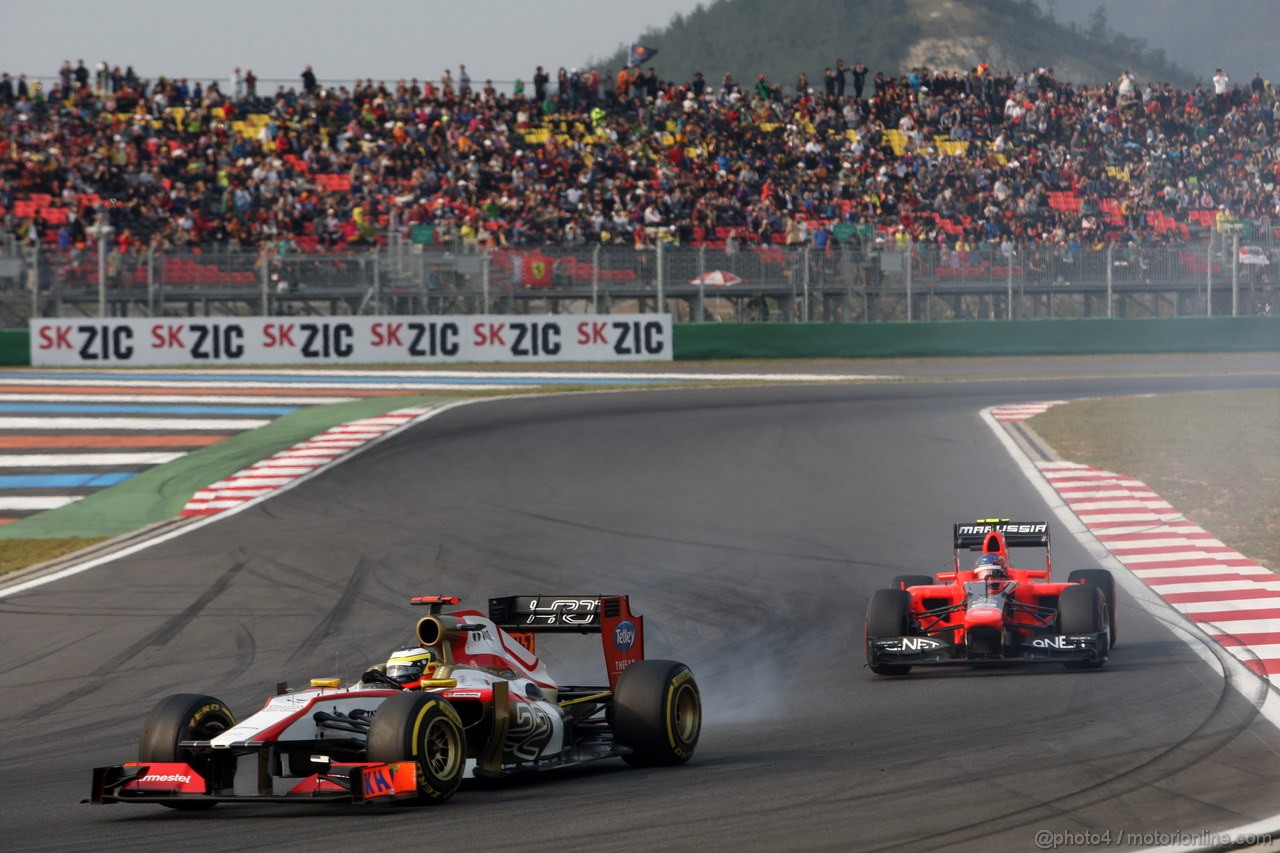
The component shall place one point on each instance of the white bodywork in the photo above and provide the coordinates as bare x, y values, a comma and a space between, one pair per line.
536, 728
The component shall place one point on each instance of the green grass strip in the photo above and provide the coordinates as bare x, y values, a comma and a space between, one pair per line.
1213, 455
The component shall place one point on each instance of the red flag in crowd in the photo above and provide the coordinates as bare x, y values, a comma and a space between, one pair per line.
532, 270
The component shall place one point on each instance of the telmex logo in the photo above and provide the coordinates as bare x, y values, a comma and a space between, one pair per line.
172, 777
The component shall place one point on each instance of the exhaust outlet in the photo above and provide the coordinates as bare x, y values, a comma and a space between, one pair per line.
435, 631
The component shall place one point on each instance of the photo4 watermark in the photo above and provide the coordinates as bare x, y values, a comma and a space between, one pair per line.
1049, 840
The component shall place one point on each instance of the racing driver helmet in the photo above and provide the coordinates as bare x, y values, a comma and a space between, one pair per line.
410, 665
991, 566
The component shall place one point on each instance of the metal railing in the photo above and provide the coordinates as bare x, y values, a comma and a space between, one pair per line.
842, 283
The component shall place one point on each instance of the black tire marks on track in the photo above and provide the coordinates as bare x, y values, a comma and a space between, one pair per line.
332, 621
1239, 702
161, 636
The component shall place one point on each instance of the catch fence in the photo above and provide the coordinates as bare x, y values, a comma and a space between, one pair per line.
765, 283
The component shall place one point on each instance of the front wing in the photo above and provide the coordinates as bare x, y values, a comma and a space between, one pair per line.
177, 783
923, 651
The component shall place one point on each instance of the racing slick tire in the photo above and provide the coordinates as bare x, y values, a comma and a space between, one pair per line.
1082, 609
190, 716
888, 615
657, 713
1103, 580
425, 729
904, 581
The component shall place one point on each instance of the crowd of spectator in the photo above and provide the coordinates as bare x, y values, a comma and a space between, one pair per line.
627, 158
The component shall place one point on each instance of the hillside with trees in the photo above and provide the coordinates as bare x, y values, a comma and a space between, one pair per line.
1239, 36
781, 38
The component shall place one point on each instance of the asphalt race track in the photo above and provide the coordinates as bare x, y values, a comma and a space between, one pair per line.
750, 526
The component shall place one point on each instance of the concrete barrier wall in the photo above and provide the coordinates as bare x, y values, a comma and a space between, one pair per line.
15, 347
697, 341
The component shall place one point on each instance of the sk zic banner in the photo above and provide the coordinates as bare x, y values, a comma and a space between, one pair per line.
195, 341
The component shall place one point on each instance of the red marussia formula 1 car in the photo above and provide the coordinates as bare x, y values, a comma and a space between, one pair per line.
994, 612
483, 706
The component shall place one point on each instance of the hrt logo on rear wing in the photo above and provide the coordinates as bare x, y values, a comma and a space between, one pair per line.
574, 613
622, 632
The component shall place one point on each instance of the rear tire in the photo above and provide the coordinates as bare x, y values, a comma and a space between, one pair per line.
904, 581
1082, 609
1103, 580
189, 716
888, 615
439, 750
657, 712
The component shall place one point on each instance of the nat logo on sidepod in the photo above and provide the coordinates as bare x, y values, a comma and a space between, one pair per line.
624, 636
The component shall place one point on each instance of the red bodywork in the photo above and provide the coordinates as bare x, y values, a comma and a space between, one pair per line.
1028, 587
1019, 615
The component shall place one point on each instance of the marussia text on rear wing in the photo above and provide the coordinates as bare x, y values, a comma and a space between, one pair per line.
1017, 534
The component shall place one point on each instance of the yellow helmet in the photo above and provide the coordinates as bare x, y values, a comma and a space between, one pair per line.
409, 665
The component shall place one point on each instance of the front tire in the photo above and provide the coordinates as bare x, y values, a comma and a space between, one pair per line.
657, 712
189, 716
1082, 609
439, 749
888, 615
1103, 580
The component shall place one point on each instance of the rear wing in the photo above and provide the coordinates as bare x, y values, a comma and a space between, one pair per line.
971, 535
997, 536
622, 632
547, 613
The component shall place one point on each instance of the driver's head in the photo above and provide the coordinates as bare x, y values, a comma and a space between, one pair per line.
991, 566
411, 665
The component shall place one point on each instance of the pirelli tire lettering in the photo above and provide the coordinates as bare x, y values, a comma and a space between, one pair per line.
167, 342
205, 710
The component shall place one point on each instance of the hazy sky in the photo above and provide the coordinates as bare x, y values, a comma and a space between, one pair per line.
498, 39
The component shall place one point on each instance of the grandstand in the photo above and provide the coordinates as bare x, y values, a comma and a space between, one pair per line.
953, 166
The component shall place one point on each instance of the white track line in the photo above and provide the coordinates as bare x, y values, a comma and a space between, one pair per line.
37, 503
212, 377
1196, 634
70, 571
45, 424
208, 399
85, 460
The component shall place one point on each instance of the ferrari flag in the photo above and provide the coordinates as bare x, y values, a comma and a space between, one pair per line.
640, 55
532, 271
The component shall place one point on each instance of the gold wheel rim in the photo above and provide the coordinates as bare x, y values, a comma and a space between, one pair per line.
443, 753
688, 713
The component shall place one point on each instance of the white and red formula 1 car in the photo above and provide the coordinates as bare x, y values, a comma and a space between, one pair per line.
484, 707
